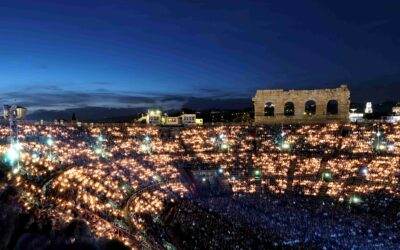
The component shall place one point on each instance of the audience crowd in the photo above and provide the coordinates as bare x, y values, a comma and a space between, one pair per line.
332, 185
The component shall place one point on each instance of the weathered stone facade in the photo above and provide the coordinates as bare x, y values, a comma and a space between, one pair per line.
276, 106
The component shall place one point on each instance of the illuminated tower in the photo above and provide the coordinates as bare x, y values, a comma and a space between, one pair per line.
368, 108
10, 112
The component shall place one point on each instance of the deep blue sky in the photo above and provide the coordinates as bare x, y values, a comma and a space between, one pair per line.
120, 53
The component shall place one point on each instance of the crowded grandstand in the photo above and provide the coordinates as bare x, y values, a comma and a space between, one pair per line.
121, 186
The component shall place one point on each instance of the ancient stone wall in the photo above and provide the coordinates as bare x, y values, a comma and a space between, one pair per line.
277, 98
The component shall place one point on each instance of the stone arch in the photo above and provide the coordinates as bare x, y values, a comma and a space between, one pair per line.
288, 109
310, 108
332, 107
269, 109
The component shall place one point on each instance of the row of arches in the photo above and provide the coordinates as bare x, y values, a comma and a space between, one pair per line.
310, 108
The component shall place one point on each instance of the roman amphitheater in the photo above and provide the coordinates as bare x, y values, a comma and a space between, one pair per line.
302, 106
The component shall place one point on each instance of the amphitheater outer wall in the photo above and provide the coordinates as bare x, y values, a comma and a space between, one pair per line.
321, 97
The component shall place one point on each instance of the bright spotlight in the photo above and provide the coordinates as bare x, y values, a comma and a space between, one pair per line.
15, 170
285, 145
144, 148
326, 176
18, 146
12, 155
363, 170
381, 147
49, 141
355, 200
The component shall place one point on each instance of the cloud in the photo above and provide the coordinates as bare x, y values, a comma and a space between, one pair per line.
50, 101
54, 98
174, 98
41, 87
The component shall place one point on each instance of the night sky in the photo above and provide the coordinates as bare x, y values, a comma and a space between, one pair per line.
78, 53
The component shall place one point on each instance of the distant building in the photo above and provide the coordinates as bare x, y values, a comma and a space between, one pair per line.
217, 116
59, 122
188, 119
355, 117
171, 120
155, 117
199, 121
368, 108
396, 110
396, 115
241, 117
20, 112
73, 119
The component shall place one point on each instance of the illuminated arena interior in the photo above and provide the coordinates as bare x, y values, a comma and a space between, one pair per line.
223, 187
